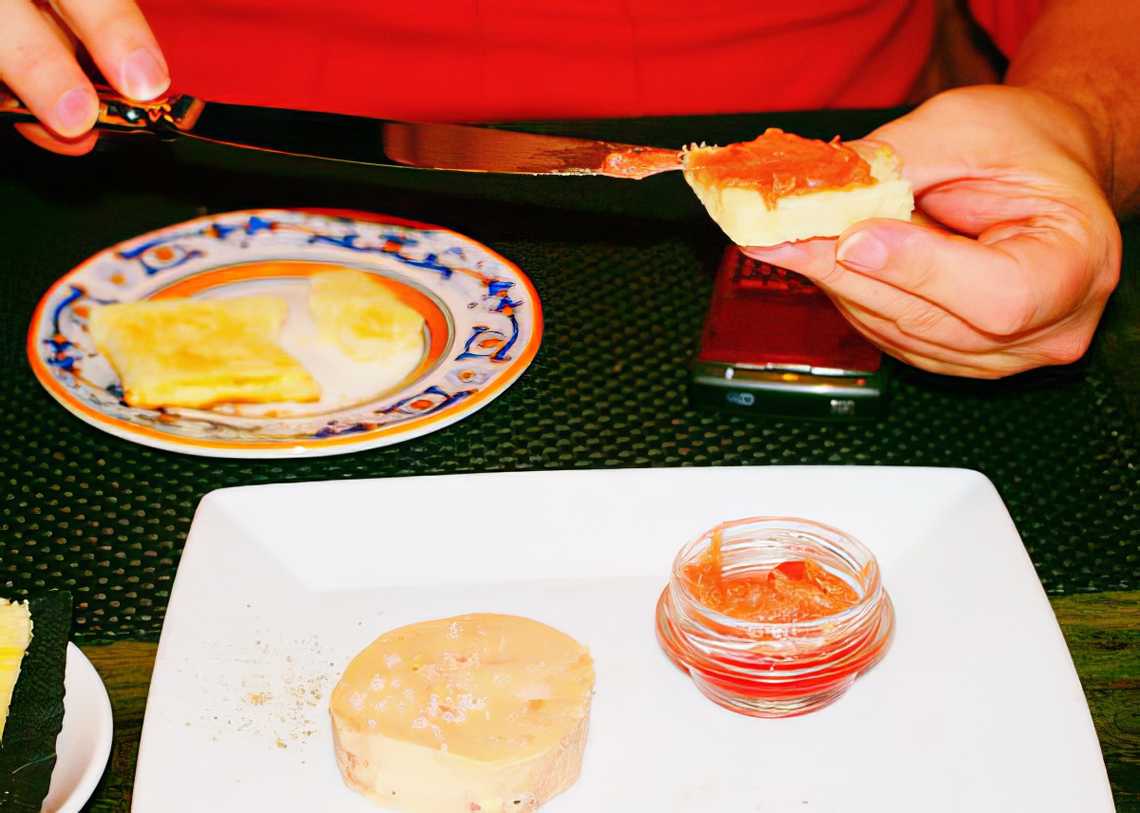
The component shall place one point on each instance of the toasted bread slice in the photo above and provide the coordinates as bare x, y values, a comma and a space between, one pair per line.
200, 352
786, 199
362, 316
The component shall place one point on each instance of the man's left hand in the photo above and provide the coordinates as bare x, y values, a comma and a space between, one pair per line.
1021, 253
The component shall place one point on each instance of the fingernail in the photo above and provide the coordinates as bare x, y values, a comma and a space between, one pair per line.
75, 111
144, 76
862, 251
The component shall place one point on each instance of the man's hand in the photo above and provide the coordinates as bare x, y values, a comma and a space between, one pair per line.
1021, 256
38, 63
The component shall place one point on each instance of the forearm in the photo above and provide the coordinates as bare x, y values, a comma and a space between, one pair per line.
1085, 52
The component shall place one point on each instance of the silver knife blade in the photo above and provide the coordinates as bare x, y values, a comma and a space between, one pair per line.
377, 142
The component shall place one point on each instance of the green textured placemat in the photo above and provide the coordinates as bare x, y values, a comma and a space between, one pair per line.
27, 752
624, 272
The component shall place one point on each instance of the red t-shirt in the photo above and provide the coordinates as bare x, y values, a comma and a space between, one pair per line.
465, 60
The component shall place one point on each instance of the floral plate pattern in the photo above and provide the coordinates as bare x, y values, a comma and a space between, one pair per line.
483, 317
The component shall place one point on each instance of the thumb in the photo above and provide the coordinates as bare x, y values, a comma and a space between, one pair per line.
1012, 278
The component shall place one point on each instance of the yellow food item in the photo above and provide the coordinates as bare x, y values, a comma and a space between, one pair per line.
362, 316
15, 635
781, 187
200, 352
471, 713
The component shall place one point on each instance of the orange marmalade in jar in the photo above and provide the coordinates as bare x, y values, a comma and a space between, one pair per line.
774, 616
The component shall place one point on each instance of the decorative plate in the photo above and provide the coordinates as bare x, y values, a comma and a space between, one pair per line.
483, 324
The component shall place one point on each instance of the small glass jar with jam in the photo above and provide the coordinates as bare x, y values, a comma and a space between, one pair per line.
774, 616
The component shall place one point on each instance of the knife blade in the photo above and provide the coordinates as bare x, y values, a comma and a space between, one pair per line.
376, 142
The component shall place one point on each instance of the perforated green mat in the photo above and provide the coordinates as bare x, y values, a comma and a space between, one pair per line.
624, 272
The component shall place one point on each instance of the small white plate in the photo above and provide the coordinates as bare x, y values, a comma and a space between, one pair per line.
976, 706
84, 742
482, 328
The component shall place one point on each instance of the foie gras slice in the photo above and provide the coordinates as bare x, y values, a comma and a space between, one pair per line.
476, 712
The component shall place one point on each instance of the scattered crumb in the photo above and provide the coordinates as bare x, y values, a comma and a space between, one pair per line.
277, 697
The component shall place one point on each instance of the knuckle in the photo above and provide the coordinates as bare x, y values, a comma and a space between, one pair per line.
102, 24
920, 319
830, 276
27, 61
908, 358
918, 265
111, 29
969, 104
994, 373
1106, 271
1001, 365
1067, 348
919, 272
1013, 314
948, 101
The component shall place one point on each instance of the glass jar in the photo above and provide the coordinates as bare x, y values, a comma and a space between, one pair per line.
775, 669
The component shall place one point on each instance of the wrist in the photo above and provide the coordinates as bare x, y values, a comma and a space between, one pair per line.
1083, 121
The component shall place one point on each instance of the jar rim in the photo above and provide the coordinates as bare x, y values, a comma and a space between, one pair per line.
867, 573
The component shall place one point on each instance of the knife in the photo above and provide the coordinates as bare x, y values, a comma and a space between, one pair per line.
376, 142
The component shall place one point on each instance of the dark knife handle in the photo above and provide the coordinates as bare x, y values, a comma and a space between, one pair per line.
116, 112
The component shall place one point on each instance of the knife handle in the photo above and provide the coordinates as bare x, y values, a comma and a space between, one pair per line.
116, 112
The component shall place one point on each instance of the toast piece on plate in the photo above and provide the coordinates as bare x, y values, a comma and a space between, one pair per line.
200, 352
362, 316
781, 187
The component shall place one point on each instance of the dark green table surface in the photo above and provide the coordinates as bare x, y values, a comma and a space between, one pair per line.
624, 271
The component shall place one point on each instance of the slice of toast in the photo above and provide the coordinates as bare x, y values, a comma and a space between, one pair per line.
200, 352
793, 206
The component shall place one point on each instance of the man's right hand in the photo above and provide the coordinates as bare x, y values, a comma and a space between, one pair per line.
38, 63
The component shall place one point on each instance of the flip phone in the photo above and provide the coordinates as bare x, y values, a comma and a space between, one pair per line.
774, 344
